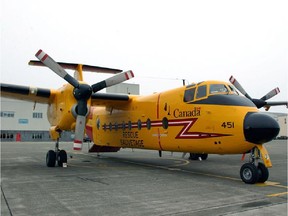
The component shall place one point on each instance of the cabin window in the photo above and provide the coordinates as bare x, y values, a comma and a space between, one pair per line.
139, 124
148, 123
218, 89
123, 125
116, 126
201, 91
189, 95
129, 125
165, 123
98, 123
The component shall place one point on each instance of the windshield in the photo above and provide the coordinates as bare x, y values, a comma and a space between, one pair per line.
218, 89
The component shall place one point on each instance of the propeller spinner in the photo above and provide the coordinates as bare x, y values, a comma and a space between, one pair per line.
82, 92
262, 102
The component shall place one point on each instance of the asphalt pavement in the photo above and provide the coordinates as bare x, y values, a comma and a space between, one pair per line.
136, 182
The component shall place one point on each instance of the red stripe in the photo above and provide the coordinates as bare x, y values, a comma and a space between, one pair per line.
89, 131
159, 139
158, 106
38, 53
78, 141
131, 73
44, 57
126, 75
243, 156
78, 149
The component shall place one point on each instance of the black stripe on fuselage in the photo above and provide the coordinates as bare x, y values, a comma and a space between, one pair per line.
227, 100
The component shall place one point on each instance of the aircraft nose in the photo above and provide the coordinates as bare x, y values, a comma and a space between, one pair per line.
260, 128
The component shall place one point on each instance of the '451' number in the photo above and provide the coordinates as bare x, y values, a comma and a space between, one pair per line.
227, 125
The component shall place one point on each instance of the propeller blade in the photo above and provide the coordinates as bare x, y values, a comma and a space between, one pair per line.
119, 78
271, 94
79, 132
277, 103
239, 87
54, 66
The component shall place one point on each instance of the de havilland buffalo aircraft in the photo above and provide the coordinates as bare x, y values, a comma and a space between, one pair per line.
204, 118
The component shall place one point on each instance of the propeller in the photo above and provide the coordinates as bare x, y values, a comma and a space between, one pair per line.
82, 92
262, 102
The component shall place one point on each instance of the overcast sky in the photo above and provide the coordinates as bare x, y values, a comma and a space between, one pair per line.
175, 40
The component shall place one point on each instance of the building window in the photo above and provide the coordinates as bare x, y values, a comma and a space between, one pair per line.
7, 136
37, 115
7, 114
37, 136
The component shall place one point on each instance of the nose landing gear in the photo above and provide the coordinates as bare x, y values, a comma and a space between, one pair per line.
255, 171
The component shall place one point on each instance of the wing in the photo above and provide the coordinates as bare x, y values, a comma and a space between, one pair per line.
27, 93
108, 99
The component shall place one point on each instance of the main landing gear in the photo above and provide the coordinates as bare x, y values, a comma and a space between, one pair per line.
198, 156
255, 171
58, 155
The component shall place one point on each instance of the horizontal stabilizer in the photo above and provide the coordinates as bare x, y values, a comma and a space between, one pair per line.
73, 66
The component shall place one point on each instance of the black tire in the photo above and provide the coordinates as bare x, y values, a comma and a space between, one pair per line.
249, 173
51, 158
196, 156
61, 158
263, 173
193, 156
204, 156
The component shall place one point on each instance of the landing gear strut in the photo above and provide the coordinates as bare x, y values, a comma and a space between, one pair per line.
254, 171
58, 155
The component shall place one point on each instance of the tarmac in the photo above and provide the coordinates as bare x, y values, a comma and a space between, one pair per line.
136, 182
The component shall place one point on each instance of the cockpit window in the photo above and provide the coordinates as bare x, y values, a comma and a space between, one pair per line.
189, 94
218, 89
233, 90
201, 91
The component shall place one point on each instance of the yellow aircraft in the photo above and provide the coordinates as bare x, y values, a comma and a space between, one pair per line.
204, 118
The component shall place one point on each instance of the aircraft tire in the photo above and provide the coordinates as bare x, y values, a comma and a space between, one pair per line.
249, 173
204, 156
62, 158
51, 158
193, 156
263, 173
196, 156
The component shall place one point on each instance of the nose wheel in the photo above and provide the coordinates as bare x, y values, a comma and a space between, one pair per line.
58, 155
255, 171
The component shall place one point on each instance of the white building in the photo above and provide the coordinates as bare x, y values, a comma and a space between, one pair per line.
282, 121
23, 121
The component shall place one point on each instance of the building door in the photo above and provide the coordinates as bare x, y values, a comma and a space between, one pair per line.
18, 137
